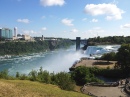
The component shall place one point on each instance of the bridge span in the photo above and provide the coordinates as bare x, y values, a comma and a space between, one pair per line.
79, 41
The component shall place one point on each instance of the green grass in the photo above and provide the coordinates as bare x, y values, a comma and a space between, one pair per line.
24, 88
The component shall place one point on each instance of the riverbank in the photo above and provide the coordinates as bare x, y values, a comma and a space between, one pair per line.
20, 47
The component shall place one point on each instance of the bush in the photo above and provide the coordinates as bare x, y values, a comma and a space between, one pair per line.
83, 75
64, 81
109, 56
23, 77
33, 75
44, 76
4, 74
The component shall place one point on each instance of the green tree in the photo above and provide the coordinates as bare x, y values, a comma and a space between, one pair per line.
23, 47
44, 76
4, 74
23, 77
123, 57
82, 75
17, 75
33, 75
64, 81
109, 56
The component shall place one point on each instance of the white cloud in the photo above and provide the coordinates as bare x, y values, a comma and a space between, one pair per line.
94, 20
52, 2
67, 22
111, 11
74, 31
44, 29
23, 20
125, 26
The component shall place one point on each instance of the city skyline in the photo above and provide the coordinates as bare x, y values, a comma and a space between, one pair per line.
67, 18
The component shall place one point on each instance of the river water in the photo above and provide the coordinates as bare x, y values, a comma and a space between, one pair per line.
52, 61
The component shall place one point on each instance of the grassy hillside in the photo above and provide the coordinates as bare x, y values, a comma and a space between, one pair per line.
20, 88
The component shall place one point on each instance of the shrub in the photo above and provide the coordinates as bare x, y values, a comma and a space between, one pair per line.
23, 77
83, 75
64, 81
44, 76
33, 75
17, 75
4, 74
109, 56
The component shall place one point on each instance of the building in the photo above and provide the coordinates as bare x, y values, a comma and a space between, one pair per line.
15, 31
42, 37
27, 38
15, 34
6, 33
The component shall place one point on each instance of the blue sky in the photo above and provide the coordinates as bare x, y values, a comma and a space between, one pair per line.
67, 18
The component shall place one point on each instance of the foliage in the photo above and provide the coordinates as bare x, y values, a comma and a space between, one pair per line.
64, 80
22, 47
33, 75
17, 48
23, 77
109, 56
17, 75
4, 74
82, 75
2, 39
112, 73
44, 76
123, 57
109, 40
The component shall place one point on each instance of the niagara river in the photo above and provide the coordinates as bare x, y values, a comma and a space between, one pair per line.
52, 61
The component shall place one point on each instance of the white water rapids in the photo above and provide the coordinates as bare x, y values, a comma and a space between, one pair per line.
52, 61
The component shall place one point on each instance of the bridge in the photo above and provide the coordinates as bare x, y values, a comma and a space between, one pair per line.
79, 41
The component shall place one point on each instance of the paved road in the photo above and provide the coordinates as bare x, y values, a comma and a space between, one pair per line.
105, 91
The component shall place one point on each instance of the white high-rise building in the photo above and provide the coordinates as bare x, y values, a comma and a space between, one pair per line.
15, 31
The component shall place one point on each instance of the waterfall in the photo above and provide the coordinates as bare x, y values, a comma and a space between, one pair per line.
98, 51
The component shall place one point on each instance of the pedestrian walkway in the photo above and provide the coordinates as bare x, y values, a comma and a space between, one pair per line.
105, 91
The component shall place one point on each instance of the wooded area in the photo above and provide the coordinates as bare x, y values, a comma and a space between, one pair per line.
17, 48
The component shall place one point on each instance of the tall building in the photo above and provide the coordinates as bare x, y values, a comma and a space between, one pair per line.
42, 37
15, 31
6, 33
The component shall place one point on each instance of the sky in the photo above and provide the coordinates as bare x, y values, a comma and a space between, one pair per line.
67, 18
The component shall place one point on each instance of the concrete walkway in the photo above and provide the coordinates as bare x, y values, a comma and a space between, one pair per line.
105, 91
